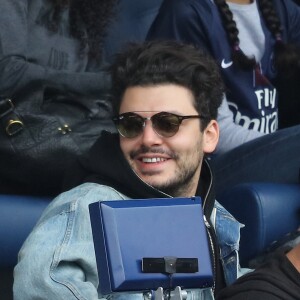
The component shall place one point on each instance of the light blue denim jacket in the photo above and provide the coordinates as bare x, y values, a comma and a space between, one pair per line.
57, 261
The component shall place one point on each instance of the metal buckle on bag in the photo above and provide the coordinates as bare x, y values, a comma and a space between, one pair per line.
13, 127
10, 120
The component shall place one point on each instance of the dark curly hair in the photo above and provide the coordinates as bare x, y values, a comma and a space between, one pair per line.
169, 62
94, 15
287, 58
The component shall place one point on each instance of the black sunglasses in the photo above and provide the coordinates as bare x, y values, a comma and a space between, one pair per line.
165, 124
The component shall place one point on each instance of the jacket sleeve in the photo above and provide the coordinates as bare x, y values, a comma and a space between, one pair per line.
17, 71
57, 261
289, 14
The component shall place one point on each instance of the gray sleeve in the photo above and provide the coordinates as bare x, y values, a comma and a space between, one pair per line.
80, 83
231, 134
17, 71
16, 74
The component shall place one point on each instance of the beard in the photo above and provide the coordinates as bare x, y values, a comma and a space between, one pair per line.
180, 184
185, 177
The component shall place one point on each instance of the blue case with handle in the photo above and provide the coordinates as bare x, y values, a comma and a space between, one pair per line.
127, 231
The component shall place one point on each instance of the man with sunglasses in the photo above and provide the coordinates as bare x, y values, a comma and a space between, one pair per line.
165, 98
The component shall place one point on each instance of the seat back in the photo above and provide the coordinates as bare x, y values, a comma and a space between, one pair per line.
18, 215
268, 210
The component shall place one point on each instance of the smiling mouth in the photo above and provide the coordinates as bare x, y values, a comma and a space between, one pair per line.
153, 159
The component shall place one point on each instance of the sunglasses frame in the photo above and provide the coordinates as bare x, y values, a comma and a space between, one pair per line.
180, 118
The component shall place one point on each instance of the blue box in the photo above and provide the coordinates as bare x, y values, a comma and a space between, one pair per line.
126, 231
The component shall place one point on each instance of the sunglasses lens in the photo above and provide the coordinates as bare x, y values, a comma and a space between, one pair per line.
166, 124
130, 125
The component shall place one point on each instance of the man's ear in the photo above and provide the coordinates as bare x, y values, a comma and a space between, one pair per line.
211, 136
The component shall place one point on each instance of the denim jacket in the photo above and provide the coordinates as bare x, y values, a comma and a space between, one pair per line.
57, 261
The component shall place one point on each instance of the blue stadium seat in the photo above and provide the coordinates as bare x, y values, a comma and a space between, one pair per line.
268, 211
18, 215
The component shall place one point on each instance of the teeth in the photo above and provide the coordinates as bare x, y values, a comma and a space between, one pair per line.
153, 160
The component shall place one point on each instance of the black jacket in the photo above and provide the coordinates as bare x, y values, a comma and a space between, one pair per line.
277, 279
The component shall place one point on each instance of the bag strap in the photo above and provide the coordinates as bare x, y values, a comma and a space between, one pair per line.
9, 119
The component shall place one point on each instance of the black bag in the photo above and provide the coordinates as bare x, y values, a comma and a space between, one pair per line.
39, 141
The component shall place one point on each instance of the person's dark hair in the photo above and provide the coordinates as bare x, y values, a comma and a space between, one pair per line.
94, 15
287, 58
169, 62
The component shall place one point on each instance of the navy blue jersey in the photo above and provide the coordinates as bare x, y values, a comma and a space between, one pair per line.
250, 94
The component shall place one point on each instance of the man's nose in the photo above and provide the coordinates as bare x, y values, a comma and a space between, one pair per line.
149, 136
